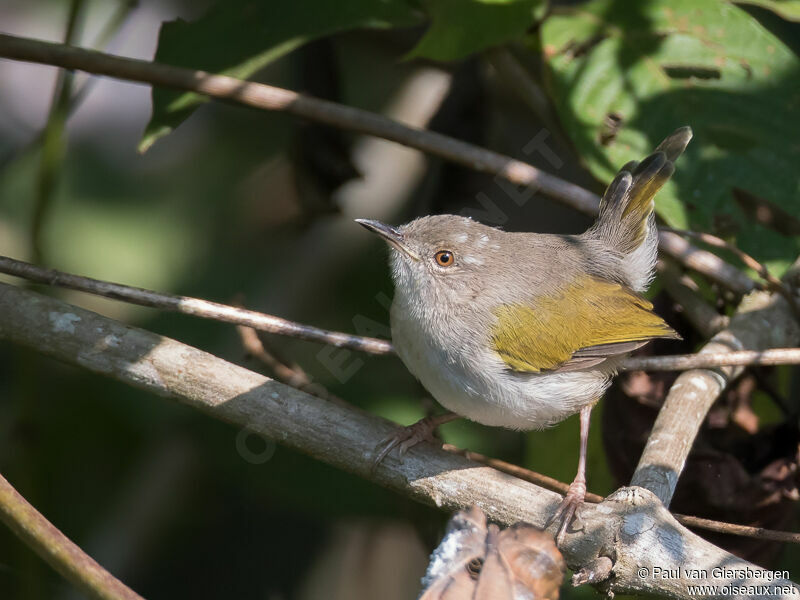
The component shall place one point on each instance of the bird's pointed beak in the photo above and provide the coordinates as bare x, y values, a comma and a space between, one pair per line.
391, 235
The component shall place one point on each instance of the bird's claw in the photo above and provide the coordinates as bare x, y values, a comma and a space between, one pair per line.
406, 438
566, 511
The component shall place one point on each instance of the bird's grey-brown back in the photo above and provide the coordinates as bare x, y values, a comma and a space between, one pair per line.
492, 264
621, 246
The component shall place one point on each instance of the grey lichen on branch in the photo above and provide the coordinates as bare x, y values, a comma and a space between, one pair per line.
631, 526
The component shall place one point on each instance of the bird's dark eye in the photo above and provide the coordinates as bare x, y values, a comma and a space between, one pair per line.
444, 258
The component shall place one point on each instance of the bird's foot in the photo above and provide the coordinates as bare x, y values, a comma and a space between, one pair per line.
408, 437
568, 507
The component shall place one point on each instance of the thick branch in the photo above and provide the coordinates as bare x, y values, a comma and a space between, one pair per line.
58, 550
267, 97
762, 321
631, 525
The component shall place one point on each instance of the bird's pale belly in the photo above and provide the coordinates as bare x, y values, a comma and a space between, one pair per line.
482, 389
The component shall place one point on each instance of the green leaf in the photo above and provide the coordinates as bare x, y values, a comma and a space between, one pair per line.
786, 9
239, 37
462, 27
623, 75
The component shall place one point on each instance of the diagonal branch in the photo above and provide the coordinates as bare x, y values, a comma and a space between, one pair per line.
267, 97
763, 320
57, 549
631, 525
773, 283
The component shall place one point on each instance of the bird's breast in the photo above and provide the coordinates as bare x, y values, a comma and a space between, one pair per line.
437, 352
457, 367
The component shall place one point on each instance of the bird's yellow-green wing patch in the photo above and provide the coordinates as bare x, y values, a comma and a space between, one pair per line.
584, 324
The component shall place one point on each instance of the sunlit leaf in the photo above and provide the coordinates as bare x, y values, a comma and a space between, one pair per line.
462, 27
623, 75
786, 9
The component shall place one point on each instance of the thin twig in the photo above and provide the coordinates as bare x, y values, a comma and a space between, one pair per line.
192, 306
291, 375
109, 30
773, 282
268, 97
52, 155
740, 530
561, 487
57, 549
706, 263
544, 481
741, 358
271, 324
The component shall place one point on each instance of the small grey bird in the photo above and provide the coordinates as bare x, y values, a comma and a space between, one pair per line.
522, 330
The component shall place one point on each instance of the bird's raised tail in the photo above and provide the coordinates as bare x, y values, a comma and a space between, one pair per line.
626, 222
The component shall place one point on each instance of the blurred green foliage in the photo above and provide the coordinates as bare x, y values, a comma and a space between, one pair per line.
240, 37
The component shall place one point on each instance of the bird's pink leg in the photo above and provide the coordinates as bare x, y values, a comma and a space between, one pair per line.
577, 489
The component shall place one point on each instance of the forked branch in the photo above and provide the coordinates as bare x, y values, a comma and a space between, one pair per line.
763, 320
